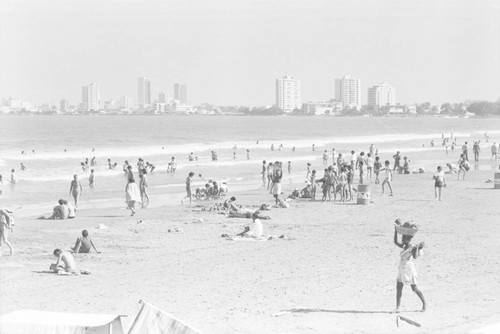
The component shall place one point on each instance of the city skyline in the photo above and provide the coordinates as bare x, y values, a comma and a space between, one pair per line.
230, 52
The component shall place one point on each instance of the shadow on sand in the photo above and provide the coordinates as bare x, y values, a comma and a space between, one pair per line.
319, 310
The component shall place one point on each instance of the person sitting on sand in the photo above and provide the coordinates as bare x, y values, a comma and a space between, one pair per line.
65, 257
223, 189
407, 274
255, 230
84, 244
306, 192
71, 210
228, 204
60, 211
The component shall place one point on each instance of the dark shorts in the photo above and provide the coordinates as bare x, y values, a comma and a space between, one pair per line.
438, 184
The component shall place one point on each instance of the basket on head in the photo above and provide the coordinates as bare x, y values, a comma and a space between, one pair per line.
406, 228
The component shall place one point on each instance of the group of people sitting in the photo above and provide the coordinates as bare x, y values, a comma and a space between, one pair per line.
62, 211
211, 190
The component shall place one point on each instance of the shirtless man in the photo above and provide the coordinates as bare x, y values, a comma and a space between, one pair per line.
84, 244
75, 189
65, 257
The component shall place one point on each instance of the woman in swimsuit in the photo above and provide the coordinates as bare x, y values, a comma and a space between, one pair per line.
75, 189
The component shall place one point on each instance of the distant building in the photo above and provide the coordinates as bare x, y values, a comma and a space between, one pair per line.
14, 103
328, 108
90, 97
125, 103
382, 95
162, 97
143, 92
288, 94
348, 91
180, 93
64, 105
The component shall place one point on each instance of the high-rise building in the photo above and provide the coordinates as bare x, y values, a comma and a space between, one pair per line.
348, 91
90, 97
143, 92
180, 93
288, 94
382, 95
162, 97
64, 105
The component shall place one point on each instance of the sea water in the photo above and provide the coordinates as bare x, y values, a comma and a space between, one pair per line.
56, 145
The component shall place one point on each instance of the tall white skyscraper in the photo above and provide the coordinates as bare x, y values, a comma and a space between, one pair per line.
90, 97
382, 95
348, 91
143, 92
288, 94
180, 93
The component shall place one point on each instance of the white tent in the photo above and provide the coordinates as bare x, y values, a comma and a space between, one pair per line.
42, 322
152, 320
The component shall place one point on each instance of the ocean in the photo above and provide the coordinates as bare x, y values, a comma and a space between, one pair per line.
61, 143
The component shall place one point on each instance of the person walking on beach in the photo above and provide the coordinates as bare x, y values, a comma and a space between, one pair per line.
173, 165
388, 176
313, 185
143, 188
189, 179
269, 171
377, 166
325, 157
369, 166
463, 166
494, 151
276, 178
407, 274
6, 223
360, 162
91, 179
289, 167
263, 173
439, 183
132, 193
75, 189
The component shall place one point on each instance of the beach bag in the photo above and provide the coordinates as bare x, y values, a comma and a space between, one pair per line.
7, 218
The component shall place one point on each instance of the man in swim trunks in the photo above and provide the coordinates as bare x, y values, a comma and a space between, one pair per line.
84, 244
66, 258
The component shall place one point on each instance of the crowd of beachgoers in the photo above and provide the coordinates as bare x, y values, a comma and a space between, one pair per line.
343, 177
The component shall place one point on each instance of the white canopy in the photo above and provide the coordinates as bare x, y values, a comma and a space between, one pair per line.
43, 322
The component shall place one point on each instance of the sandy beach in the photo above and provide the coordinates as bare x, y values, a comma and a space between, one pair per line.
335, 272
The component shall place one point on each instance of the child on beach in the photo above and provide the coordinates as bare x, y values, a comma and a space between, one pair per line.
189, 179
84, 244
132, 193
407, 274
388, 176
463, 166
439, 183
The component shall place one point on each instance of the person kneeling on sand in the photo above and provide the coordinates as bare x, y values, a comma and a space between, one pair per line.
255, 230
67, 259
84, 244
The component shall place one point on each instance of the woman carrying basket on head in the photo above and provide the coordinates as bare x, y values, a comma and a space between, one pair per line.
407, 274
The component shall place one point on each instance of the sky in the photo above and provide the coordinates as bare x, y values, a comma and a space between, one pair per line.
231, 52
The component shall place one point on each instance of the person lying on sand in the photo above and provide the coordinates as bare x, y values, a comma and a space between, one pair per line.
255, 230
84, 244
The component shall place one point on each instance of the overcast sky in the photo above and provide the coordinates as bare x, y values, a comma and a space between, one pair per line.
231, 52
